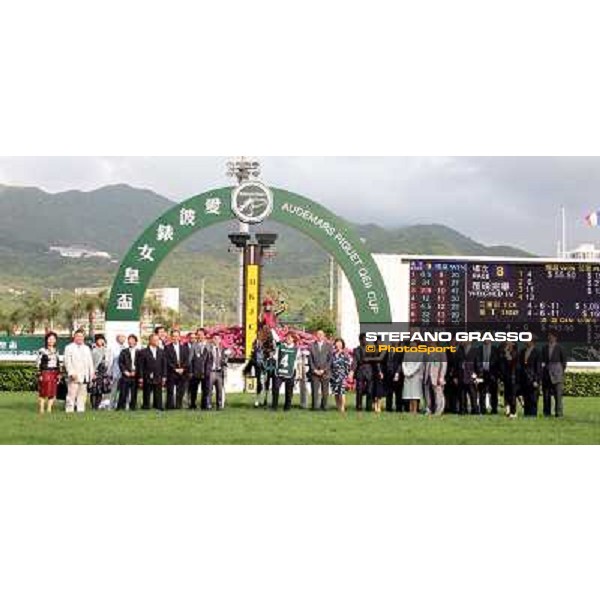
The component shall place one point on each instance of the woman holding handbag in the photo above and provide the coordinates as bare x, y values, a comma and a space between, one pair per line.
101, 387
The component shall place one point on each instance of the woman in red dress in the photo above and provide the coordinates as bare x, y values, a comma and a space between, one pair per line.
48, 363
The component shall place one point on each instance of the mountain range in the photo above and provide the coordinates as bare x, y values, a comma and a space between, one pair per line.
108, 219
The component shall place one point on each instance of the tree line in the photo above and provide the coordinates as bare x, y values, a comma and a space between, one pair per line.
37, 312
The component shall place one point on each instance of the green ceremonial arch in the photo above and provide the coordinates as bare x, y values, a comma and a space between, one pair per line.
123, 313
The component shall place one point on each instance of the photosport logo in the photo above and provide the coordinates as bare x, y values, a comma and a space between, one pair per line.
408, 339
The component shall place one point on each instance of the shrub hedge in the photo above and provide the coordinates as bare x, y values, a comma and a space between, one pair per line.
582, 383
18, 377
22, 377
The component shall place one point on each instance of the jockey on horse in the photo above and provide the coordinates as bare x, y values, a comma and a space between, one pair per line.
263, 354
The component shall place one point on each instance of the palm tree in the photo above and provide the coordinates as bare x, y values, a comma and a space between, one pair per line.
102, 300
90, 304
53, 310
171, 318
35, 311
5, 324
153, 309
15, 320
9, 321
72, 312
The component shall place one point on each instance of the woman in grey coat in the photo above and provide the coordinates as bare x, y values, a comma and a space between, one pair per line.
100, 388
434, 381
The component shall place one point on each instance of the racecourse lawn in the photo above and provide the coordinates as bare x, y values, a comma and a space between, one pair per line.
241, 423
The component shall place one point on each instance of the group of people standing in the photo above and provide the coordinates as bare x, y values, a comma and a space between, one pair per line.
467, 381
182, 368
284, 365
112, 377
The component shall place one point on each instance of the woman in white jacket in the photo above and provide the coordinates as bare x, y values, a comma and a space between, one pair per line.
413, 369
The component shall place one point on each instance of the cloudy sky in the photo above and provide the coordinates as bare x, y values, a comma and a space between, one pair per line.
493, 200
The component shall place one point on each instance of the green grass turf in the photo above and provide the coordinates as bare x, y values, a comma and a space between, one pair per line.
241, 423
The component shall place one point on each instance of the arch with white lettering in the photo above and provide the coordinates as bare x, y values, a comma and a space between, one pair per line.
212, 207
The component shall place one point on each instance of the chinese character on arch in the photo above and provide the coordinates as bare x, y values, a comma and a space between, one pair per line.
165, 233
212, 206
187, 217
146, 253
125, 302
132, 276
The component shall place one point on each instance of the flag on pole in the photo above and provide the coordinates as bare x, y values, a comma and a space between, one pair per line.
593, 219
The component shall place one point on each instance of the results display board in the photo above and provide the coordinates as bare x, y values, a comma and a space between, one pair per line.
541, 296
437, 293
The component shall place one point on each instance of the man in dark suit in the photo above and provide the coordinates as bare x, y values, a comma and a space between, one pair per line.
152, 374
320, 357
163, 337
468, 372
452, 389
216, 366
394, 376
362, 373
198, 375
128, 360
178, 365
554, 365
489, 363
531, 377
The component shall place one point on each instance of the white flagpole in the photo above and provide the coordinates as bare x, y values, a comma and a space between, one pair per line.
564, 231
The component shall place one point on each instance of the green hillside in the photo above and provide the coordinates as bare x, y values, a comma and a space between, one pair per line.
110, 218
105, 219
429, 239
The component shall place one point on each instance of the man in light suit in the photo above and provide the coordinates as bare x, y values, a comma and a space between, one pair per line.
216, 366
320, 357
554, 364
80, 371
114, 370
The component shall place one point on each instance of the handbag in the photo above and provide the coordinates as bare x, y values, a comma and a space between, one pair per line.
106, 384
61, 389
